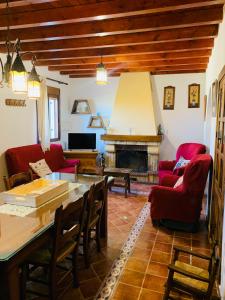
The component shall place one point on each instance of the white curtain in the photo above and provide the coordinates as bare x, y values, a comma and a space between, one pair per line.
43, 118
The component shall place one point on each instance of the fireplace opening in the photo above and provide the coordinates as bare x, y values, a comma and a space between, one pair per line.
132, 157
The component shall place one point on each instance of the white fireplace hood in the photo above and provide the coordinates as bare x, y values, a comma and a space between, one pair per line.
133, 112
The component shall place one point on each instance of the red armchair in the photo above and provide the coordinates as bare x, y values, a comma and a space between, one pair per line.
182, 204
187, 151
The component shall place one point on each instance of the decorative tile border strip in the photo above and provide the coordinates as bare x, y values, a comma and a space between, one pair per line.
111, 279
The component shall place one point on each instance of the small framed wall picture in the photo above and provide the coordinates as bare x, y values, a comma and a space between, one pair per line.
194, 95
214, 97
169, 97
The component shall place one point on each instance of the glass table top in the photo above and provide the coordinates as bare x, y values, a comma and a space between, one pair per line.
16, 231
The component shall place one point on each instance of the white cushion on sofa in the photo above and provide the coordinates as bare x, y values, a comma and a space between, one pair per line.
40, 168
179, 182
182, 162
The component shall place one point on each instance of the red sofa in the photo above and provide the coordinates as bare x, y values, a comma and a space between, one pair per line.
187, 151
183, 203
18, 159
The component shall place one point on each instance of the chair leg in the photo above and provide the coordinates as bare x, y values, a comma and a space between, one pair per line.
98, 241
74, 270
167, 293
86, 248
24, 271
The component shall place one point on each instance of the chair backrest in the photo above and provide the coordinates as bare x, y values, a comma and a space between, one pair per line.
18, 179
189, 150
213, 268
195, 175
95, 201
68, 225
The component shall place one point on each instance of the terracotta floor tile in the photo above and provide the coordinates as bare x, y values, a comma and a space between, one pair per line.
178, 241
132, 277
160, 257
164, 247
86, 274
140, 253
157, 269
147, 235
102, 267
126, 292
201, 244
90, 287
144, 244
154, 283
164, 238
150, 295
136, 264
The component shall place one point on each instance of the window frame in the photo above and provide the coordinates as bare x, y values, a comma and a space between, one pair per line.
55, 93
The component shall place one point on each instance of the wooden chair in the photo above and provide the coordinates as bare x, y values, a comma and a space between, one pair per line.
191, 279
18, 179
68, 225
94, 210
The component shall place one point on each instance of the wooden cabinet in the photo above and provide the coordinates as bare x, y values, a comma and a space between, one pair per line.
87, 159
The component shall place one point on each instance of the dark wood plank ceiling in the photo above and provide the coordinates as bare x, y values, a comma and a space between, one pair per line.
159, 36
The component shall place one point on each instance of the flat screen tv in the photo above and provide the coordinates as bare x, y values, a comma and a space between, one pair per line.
82, 141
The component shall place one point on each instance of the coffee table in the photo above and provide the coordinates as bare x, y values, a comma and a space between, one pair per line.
123, 173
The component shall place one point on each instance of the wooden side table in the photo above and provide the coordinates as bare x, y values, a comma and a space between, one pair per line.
87, 159
120, 172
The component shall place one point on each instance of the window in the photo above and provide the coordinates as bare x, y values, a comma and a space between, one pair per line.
54, 113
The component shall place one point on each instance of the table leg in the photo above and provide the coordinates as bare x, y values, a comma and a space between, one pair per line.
128, 178
10, 283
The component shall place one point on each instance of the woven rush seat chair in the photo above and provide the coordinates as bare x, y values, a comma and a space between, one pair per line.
68, 225
194, 280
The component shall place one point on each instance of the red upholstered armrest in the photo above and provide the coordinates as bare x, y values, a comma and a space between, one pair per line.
169, 180
71, 162
179, 171
167, 164
164, 194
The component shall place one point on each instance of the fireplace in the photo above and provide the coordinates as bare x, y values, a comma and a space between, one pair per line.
137, 152
134, 157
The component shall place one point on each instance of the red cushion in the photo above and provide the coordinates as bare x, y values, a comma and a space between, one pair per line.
54, 157
66, 170
18, 158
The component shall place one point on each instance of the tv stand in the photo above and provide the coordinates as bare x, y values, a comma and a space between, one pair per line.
87, 159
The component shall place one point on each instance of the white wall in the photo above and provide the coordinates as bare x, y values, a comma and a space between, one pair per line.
18, 124
215, 66
182, 124
100, 98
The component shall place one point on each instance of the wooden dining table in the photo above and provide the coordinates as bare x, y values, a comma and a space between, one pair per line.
21, 235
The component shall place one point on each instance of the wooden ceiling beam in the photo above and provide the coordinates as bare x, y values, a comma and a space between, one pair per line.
132, 64
177, 19
181, 34
127, 58
141, 69
95, 11
178, 72
151, 48
152, 73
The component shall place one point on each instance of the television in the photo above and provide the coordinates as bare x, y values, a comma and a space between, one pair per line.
81, 141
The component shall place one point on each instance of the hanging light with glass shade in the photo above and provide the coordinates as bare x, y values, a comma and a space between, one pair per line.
34, 83
14, 73
101, 74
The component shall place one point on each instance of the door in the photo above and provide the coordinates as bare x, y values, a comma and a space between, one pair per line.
218, 187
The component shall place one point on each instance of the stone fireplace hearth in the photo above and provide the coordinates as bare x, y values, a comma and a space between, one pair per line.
143, 156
